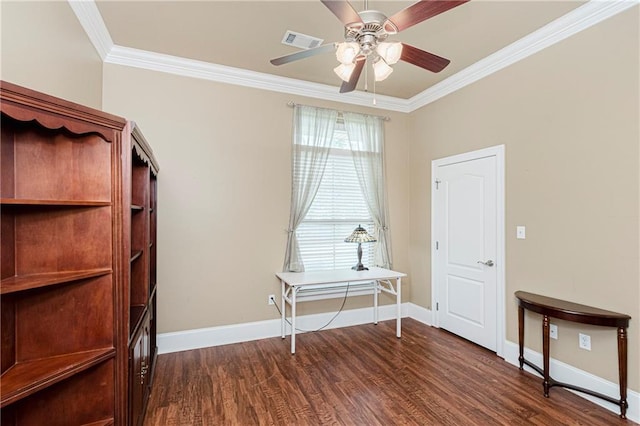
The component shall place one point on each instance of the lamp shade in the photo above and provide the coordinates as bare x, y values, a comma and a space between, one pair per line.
360, 235
381, 69
347, 52
390, 51
344, 71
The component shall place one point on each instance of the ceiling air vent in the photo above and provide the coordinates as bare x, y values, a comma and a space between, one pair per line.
302, 41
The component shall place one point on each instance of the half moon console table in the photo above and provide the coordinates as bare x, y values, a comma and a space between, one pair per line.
568, 311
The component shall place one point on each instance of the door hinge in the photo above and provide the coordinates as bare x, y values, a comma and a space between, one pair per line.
437, 306
438, 182
437, 246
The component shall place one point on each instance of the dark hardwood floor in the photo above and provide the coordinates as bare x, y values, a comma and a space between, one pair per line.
359, 375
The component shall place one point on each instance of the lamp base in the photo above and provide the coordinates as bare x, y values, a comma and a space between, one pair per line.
359, 267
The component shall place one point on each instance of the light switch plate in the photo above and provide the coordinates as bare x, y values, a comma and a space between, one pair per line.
521, 232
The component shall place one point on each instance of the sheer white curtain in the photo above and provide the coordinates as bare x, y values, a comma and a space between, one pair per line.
366, 138
312, 135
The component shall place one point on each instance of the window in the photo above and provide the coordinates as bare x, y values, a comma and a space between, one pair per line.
337, 183
337, 209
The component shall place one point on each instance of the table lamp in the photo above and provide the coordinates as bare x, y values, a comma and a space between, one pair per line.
360, 235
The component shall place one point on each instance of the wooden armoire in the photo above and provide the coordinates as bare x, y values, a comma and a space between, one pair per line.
78, 190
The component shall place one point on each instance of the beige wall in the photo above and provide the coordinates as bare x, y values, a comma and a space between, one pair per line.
568, 117
44, 48
224, 187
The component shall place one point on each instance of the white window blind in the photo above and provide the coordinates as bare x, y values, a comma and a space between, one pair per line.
335, 212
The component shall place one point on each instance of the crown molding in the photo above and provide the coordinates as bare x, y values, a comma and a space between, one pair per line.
581, 18
224, 74
91, 20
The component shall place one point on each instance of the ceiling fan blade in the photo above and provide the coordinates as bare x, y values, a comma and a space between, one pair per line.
426, 60
421, 11
349, 86
344, 11
303, 54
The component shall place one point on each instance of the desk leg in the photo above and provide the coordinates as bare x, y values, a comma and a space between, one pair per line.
545, 354
398, 307
375, 302
622, 370
521, 336
294, 291
283, 319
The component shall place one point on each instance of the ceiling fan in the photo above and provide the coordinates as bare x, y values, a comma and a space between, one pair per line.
365, 35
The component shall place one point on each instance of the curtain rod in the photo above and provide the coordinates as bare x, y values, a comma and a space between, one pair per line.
385, 118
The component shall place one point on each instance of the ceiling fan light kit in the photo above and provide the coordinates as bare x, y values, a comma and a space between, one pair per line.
381, 69
347, 51
384, 55
365, 34
344, 71
391, 52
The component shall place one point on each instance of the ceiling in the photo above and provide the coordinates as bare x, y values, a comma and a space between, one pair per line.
247, 34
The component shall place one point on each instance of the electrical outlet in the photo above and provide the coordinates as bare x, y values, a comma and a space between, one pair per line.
553, 331
584, 341
272, 299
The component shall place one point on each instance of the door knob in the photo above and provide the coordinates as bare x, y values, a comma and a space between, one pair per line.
487, 263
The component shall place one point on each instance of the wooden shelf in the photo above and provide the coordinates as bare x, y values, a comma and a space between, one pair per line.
77, 189
31, 281
64, 203
26, 378
142, 309
152, 293
136, 312
135, 255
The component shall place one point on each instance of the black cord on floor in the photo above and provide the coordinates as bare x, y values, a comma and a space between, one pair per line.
344, 300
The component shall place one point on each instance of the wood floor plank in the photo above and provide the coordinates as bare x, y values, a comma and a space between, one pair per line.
359, 375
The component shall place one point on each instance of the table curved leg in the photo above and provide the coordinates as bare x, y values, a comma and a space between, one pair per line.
521, 336
545, 354
622, 370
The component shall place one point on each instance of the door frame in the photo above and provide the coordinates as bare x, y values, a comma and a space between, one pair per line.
497, 152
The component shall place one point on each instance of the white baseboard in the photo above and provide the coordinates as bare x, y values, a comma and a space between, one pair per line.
566, 373
215, 336
420, 314
236, 333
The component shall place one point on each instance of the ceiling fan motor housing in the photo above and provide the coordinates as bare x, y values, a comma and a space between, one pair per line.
375, 30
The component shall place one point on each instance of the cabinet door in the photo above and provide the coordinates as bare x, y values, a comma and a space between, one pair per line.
136, 378
139, 356
146, 361
153, 344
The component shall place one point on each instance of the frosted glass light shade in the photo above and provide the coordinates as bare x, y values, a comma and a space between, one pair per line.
381, 69
347, 51
344, 71
390, 51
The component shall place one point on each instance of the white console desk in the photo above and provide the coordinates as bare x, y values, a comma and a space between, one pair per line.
296, 284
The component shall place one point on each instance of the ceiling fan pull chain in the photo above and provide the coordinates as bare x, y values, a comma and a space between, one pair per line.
374, 92
366, 74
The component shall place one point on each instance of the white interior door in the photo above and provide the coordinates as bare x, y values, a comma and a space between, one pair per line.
465, 252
